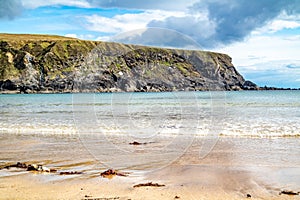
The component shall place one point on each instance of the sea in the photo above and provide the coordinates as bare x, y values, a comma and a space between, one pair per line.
95, 131
239, 114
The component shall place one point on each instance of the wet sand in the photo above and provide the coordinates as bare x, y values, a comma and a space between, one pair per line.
261, 167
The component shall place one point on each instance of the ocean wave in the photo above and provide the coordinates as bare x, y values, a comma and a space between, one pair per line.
167, 130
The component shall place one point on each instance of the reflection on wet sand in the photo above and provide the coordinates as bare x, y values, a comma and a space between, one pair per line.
236, 167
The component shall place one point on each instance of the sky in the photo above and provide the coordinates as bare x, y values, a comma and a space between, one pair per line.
261, 36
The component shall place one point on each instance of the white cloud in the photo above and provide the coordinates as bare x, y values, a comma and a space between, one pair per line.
267, 60
71, 35
263, 49
278, 25
81, 36
125, 22
281, 66
129, 35
283, 21
103, 38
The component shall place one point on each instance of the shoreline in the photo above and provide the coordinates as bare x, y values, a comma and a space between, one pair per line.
114, 90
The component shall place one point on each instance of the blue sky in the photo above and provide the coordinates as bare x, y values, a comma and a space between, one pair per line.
262, 36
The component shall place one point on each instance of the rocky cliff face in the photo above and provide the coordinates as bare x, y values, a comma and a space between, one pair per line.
35, 63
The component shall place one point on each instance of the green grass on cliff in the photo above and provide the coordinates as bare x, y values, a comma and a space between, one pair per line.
27, 37
58, 54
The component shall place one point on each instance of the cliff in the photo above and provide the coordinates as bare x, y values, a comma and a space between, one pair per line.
43, 63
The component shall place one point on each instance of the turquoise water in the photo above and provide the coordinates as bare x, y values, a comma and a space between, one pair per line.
245, 113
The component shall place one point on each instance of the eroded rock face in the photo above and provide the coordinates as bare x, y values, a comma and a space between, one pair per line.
248, 85
62, 64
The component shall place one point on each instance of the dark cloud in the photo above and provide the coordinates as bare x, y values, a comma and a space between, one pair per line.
188, 24
198, 29
236, 19
9, 9
228, 20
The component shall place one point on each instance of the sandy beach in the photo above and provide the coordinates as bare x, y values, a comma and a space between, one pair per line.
233, 169
246, 146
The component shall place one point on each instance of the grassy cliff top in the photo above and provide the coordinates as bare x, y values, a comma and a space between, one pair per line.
14, 37
18, 40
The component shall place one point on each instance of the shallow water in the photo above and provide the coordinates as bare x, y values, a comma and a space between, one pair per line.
244, 113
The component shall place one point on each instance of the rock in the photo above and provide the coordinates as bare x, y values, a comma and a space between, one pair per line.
70, 173
59, 64
289, 192
52, 170
21, 165
32, 167
39, 168
248, 85
45, 169
108, 172
149, 184
111, 172
135, 143
7, 85
248, 195
138, 143
18, 165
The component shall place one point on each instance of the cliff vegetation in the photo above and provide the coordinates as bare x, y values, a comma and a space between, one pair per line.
46, 64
